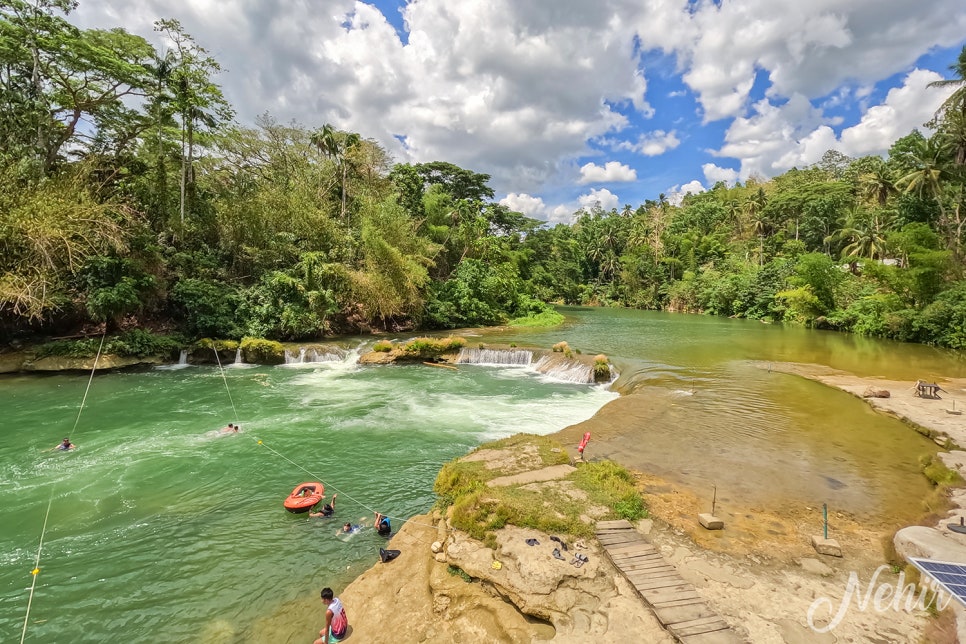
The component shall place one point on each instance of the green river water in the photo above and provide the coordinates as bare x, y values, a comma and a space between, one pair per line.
160, 528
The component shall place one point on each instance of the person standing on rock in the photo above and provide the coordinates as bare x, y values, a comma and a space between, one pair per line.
336, 622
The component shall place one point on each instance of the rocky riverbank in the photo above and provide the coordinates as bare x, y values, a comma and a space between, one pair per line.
449, 587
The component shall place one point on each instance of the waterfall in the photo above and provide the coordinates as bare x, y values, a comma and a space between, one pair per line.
238, 356
565, 369
520, 357
183, 358
314, 355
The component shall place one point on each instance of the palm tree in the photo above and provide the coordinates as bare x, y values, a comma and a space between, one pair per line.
928, 169
336, 146
866, 236
957, 100
755, 207
877, 185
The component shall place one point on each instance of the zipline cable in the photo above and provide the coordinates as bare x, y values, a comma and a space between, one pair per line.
43, 532
311, 474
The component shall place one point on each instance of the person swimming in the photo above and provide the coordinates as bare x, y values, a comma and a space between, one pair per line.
328, 509
66, 444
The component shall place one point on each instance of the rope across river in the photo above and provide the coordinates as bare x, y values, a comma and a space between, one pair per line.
311, 474
43, 531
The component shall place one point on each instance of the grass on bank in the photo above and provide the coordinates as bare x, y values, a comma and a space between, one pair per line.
542, 319
480, 510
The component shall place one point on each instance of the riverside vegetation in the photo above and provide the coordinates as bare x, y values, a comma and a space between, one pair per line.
163, 213
478, 510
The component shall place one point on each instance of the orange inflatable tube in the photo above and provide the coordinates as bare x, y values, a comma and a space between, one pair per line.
583, 443
304, 496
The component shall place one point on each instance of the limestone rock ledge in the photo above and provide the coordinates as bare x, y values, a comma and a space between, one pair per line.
56, 363
528, 596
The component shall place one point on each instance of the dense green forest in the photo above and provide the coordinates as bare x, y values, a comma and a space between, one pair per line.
131, 199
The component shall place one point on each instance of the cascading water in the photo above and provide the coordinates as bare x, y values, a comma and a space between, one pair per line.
313, 355
183, 358
519, 357
564, 369
238, 356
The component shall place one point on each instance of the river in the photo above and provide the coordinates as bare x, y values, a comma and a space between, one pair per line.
161, 527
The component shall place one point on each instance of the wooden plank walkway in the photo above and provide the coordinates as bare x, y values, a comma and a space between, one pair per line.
675, 603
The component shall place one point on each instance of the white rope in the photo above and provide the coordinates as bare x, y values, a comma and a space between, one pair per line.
311, 474
43, 532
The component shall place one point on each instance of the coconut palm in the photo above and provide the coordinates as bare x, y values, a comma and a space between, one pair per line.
928, 169
957, 100
877, 185
337, 146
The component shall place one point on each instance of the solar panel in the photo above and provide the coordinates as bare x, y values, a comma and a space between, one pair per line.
950, 576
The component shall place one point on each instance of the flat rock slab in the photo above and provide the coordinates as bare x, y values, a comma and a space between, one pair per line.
551, 473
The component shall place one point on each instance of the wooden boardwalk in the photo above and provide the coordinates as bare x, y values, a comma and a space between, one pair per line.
675, 603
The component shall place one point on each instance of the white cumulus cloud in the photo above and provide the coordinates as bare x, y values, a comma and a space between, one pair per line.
610, 172
604, 197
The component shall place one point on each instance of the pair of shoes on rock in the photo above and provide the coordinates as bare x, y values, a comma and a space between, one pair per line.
560, 541
557, 555
579, 560
532, 542
580, 545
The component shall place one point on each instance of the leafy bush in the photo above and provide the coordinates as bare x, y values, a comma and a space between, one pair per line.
141, 344
206, 308
560, 347
476, 295
944, 321
136, 343
86, 348
115, 287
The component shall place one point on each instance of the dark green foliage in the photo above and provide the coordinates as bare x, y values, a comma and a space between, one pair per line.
476, 295
943, 322
115, 287
206, 308
164, 211
135, 343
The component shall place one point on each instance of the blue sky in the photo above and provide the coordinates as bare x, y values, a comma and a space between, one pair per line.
567, 103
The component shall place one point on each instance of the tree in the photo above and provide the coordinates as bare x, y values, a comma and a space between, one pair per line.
957, 100
54, 76
337, 146
198, 101
877, 185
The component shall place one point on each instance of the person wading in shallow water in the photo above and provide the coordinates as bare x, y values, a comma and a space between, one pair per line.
336, 622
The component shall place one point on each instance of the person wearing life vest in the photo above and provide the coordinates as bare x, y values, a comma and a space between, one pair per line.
382, 525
